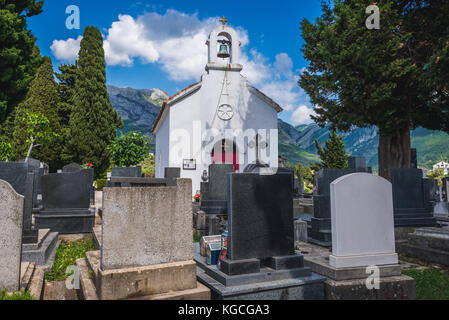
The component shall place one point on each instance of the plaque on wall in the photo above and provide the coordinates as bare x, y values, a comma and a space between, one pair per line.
189, 164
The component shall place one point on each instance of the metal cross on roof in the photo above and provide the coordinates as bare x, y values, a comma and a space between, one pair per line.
223, 20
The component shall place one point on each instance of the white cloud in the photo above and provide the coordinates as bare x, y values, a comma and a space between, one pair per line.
66, 50
283, 64
302, 115
176, 41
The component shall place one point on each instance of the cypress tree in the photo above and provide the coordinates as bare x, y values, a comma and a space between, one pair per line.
66, 90
93, 121
43, 98
333, 155
392, 77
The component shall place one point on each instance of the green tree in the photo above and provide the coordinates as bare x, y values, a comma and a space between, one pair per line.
93, 122
38, 131
5, 151
42, 98
437, 174
18, 58
360, 77
333, 155
66, 91
129, 149
148, 164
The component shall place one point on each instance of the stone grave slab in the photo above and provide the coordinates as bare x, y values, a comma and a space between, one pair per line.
11, 216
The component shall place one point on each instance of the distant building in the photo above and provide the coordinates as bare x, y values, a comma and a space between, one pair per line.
442, 165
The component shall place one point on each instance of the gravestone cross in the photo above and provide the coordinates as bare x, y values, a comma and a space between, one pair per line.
258, 145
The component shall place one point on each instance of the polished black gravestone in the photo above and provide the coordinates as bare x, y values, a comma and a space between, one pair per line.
413, 198
413, 159
40, 169
261, 262
72, 167
22, 179
319, 226
172, 173
75, 167
213, 192
260, 217
66, 202
134, 172
123, 182
445, 189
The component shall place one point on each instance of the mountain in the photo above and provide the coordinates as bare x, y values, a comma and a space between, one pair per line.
432, 146
139, 109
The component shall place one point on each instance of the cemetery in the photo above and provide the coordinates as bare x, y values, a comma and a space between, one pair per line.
203, 206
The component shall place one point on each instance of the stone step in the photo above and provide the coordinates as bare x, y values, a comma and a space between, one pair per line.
415, 222
423, 253
42, 254
201, 292
87, 289
322, 236
26, 273
37, 283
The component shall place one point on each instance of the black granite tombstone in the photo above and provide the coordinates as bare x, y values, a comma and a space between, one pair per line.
413, 198
172, 173
413, 159
72, 167
22, 178
445, 189
319, 226
39, 169
66, 202
135, 172
260, 224
213, 192
122, 182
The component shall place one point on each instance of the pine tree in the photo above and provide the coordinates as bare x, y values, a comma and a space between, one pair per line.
18, 59
333, 155
93, 121
42, 98
360, 77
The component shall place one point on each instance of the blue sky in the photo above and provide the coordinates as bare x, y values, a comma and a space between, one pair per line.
160, 44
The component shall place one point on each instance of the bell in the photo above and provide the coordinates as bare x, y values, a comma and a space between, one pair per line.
223, 53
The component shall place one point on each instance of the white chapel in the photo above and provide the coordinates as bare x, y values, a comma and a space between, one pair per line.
220, 119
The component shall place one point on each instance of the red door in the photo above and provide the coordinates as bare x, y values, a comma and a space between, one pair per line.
226, 157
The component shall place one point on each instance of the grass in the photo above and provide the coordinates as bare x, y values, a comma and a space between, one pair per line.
431, 284
196, 236
22, 295
66, 255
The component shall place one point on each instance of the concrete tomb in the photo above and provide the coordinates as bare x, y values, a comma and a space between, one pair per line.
146, 244
11, 217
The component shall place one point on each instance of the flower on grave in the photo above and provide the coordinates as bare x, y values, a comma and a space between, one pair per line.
197, 197
87, 165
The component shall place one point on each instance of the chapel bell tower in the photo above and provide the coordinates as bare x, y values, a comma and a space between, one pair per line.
224, 48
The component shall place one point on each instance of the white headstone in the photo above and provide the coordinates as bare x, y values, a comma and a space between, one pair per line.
11, 218
362, 221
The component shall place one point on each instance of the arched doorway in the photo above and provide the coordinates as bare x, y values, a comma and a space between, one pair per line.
225, 151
